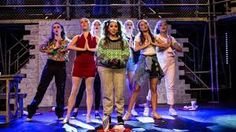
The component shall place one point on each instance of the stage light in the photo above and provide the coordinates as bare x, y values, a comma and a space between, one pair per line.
226, 120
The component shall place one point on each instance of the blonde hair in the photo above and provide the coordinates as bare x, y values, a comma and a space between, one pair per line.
127, 21
158, 24
92, 26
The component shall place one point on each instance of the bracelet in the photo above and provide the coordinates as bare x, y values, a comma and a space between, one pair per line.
173, 44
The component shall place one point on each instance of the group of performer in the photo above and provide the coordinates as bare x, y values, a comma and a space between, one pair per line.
105, 54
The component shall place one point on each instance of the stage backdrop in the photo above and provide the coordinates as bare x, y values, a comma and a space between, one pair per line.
40, 32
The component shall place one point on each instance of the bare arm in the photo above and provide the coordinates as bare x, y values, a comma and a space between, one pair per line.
177, 47
159, 43
138, 47
72, 45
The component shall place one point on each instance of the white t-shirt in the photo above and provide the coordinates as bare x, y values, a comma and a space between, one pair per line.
150, 50
169, 52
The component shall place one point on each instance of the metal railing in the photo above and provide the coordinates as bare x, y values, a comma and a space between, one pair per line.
68, 10
17, 54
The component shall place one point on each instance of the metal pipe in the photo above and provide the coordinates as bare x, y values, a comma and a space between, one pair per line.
139, 9
17, 62
101, 5
5, 52
211, 54
2, 56
200, 72
204, 43
216, 54
219, 2
68, 9
9, 62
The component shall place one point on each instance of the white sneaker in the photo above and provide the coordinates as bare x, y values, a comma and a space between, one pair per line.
134, 112
172, 112
65, 121
146, 111
88, 119
28, 119
60, 119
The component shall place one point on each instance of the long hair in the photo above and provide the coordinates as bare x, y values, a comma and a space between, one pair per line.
141, 33
158, 24
63, 34
119, 34
92, 26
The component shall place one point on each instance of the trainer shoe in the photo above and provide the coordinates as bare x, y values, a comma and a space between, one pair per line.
106, 122
134, 112
97, 115
172, 112
120, 121
146, 111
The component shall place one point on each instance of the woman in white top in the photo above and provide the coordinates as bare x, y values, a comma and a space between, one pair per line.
148, 67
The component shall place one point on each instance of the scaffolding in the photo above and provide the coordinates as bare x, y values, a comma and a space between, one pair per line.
23, 11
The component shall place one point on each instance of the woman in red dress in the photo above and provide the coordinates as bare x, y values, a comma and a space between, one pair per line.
84, 67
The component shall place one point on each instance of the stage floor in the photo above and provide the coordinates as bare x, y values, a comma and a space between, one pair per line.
210, 117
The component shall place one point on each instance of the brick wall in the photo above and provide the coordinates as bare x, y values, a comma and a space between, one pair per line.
40, 32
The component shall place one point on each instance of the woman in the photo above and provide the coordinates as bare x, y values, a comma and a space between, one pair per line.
133, 59
167, 45
55, 67
147, 68
95, 31
112, 56
84, 67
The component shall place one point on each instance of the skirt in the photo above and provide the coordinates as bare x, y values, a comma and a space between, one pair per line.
147, 67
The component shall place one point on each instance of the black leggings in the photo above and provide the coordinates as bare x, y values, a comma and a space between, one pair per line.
97, 91
52, 69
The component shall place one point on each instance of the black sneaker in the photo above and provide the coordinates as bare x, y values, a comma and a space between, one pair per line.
31, 111
120, 121
59, 112
97, 115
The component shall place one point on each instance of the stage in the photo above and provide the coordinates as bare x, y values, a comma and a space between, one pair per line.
204, 69
208, 117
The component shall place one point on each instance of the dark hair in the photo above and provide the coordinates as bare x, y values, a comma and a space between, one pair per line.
141, 33
52, 37
106, 33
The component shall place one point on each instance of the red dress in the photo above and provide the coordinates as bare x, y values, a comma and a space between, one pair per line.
84, 63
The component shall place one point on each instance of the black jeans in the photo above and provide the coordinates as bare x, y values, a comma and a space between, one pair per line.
51, 69
97, 90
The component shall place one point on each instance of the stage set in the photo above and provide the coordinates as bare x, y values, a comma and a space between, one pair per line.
43, 56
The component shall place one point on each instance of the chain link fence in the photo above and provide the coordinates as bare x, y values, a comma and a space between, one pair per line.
72, 9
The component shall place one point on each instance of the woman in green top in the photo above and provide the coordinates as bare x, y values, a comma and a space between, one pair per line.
112, 56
